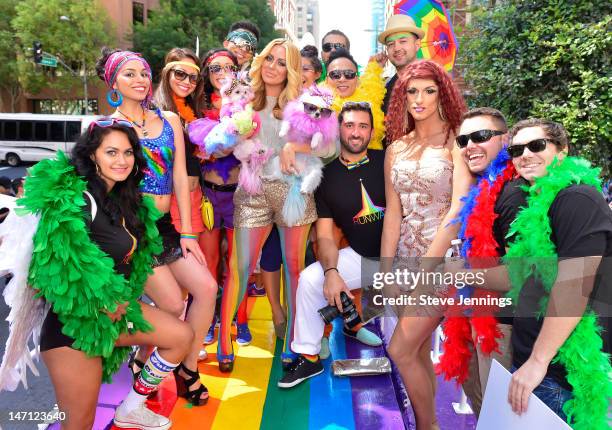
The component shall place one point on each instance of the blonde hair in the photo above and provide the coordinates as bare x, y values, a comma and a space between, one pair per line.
292, 83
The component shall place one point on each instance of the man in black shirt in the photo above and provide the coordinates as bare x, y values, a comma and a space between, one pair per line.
351, 194
581, 231
482, 136
402, 38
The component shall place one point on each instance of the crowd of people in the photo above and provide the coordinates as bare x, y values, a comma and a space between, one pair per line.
141, 209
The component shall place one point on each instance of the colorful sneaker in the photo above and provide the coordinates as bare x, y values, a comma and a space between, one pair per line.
210, 336
243, 334
302, 370
289, 360
325, 352
141, 418
254, 291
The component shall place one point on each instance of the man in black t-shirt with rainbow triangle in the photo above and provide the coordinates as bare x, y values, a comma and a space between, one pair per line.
352, 195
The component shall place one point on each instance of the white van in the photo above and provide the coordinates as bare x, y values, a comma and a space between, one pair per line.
34, 137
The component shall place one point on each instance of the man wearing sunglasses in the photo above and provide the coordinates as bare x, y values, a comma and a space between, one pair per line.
481, 140
402, 38
242, 40
332, 41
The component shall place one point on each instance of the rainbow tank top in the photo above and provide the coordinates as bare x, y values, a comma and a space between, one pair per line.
159, 153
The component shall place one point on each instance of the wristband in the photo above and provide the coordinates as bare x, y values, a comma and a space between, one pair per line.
328, 269
189, 236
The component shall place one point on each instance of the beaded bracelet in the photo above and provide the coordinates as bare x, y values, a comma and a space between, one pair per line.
189, 236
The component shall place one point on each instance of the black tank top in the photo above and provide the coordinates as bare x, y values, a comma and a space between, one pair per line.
114, 240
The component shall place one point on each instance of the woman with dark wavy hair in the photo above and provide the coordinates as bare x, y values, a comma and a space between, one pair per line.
93, 250
425, 178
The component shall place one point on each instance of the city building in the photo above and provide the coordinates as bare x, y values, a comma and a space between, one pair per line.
285, 13
123, 14
378, 22
307, 21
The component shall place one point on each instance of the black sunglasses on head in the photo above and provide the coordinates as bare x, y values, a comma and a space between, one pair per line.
536, 145
309, 108
479, 136
335, 75
327, 47
180, 75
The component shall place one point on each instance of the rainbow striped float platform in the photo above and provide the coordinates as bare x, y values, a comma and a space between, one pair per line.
248, 398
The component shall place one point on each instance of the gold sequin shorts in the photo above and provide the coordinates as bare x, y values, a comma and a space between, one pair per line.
267, 208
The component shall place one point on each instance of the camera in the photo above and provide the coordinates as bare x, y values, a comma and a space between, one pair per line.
349, 312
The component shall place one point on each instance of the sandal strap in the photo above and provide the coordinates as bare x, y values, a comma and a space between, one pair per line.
194, 375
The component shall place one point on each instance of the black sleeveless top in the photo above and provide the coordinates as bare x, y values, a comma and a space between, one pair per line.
114, 240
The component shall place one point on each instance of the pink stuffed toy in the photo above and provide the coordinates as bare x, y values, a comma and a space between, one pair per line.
307, 120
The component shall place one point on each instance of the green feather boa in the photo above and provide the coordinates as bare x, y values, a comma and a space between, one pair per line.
534, 253
73, 274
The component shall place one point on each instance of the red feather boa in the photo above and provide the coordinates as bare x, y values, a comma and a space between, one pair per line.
454, 363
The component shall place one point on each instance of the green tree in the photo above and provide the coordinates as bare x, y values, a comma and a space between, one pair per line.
179, 22
75, 39
550, 59
9, 72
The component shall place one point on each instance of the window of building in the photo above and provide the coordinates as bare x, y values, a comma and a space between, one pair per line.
138, 12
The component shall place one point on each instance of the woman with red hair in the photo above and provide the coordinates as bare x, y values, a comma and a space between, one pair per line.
425, 178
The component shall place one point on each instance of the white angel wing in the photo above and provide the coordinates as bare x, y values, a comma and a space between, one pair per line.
27, 313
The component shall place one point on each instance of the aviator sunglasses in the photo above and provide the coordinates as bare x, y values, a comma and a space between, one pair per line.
327, 47
180, 75
536, 145
310, 109
479, 136
335, 75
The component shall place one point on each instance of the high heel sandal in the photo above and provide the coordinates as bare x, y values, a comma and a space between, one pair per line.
182, 386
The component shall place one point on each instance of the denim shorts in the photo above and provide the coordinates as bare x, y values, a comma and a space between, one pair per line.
552, 394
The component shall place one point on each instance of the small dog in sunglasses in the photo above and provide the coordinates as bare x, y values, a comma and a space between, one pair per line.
309, 119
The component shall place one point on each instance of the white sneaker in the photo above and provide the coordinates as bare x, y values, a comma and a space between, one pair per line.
141, 418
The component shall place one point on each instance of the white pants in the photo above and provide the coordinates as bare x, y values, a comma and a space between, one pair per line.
309, 326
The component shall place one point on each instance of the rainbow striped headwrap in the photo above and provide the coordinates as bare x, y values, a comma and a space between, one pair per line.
115, 62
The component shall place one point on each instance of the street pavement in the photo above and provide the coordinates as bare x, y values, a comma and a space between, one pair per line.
40, 396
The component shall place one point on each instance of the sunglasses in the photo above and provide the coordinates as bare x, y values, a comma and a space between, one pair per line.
479, 136
335, 75
311, 109
353, 105
243, 45
537, 145
327, 47
181, 75
216, 68
108, 121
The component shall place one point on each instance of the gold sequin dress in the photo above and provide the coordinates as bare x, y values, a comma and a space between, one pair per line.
423, 182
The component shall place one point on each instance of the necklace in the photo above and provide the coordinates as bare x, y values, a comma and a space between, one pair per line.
145, 133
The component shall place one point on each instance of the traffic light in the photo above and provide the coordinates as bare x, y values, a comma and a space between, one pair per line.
38, 52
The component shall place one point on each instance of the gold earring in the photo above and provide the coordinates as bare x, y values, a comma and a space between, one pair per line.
136, 172
97, 168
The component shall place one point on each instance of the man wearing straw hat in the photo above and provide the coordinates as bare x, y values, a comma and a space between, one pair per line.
403, 39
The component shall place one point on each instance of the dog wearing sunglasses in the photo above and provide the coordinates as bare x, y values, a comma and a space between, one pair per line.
306, 120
